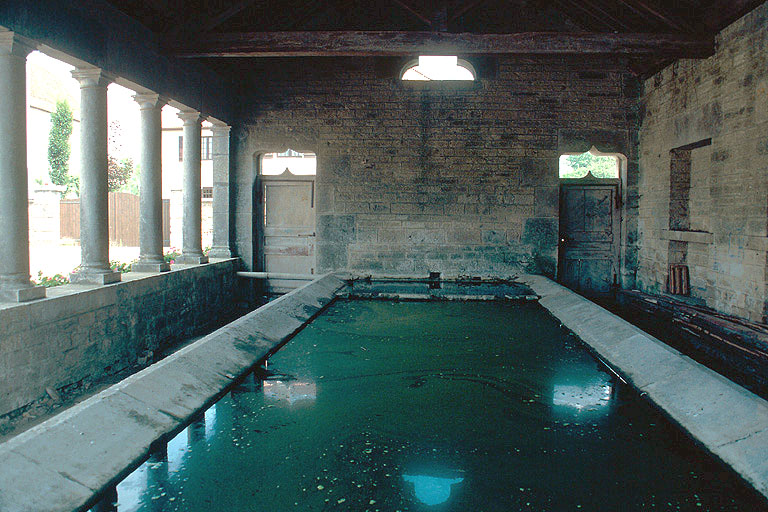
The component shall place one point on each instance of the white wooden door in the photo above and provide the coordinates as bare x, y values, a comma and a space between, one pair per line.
289, 229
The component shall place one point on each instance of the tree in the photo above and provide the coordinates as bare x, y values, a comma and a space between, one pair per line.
58, 145
118, 171
599, 166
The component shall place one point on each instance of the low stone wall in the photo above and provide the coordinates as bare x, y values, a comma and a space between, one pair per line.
83, 332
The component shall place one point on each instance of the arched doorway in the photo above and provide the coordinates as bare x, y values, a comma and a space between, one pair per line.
590, 222
287, 210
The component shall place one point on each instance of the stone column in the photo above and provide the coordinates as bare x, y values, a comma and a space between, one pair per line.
14, 195
94, 192
191, 247
151, 193
220, 247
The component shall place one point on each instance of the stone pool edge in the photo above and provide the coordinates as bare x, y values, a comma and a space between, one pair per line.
66, 462
731, 422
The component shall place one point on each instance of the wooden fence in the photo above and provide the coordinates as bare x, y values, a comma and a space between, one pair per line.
123, 219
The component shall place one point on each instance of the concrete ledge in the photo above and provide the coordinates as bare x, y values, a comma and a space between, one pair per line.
727, 419
696, 237
66, 462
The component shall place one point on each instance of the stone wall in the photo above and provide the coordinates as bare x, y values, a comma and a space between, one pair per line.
460, 178
80, 334
710, 209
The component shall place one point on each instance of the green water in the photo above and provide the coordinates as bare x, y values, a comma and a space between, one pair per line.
433, 407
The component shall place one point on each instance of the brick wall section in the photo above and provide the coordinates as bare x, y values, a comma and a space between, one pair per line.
724, 98
81, 335
416, 177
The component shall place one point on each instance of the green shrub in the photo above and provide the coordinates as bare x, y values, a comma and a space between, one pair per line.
50, 281
171, 255
119, 266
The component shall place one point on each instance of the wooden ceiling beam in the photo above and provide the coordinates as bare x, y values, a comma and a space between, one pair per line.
385, 43
720, 13
162, 7
563, 9
590, 14
308, 15
662, 15
413, 12
226, 14
618, 24
464, 9
643, 14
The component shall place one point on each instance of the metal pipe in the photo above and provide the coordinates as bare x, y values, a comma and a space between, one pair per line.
278, 275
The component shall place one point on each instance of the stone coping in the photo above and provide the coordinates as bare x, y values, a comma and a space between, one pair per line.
696, 237
67, 462
67, 290
731, 422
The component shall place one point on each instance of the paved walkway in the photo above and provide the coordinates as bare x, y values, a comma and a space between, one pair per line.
61, 259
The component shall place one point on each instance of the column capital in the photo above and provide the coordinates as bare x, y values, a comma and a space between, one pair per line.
13, 44
190, 117
92, 77
220, 128
150, 100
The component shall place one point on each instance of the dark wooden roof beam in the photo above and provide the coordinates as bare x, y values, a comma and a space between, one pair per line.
232, 10
590, 14
385, 43
464, 9
308, 15
662, 15
565, 11
603, 13
721, 13
413, 12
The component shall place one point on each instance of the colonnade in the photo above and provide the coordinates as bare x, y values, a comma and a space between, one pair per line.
15, 284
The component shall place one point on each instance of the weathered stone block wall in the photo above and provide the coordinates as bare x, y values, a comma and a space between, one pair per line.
460, 178
724, 98
76, 335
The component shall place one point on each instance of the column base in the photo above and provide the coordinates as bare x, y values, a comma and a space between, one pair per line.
23, 294
150, 266
219, 252
85, 277
192, 259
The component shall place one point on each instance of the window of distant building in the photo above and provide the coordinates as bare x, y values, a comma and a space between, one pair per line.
206, 148
439, 68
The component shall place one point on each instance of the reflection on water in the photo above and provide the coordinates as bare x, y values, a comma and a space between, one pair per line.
578, 397
408, 389
177, 448
210, 421
432, 490
291, 391
591, 397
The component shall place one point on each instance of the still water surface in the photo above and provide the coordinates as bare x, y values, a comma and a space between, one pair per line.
386, 406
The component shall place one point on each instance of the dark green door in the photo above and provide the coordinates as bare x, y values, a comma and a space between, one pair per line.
589, 236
